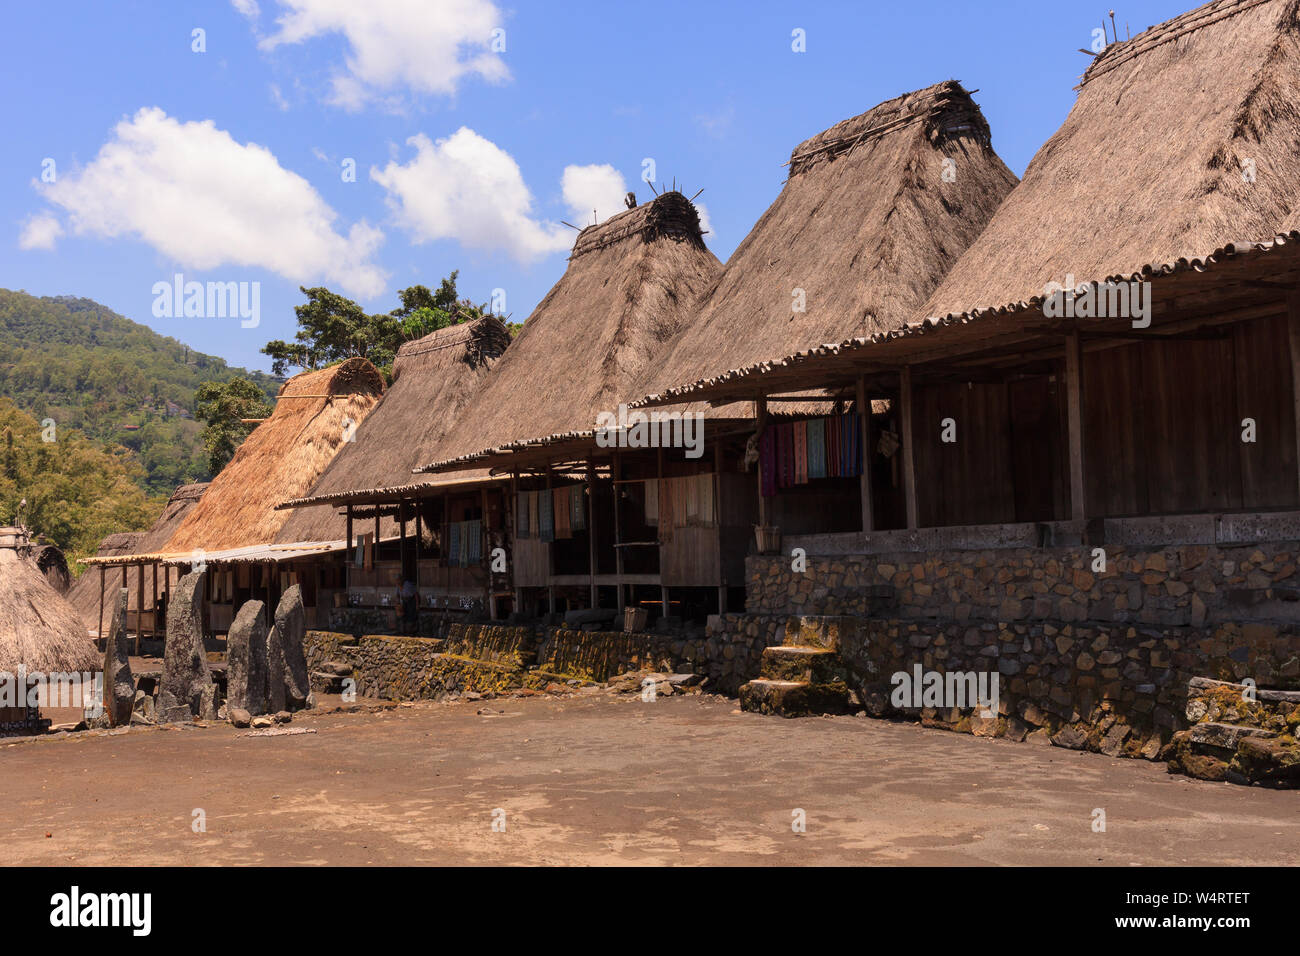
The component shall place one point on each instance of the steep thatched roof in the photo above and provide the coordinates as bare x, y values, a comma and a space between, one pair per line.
866, 226
434, 381
84, 593
281, 458
39, 630
1182, 140
629, 287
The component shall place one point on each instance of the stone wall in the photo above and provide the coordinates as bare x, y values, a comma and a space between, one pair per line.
1195, 585
409, 668
1087, 657
491, 658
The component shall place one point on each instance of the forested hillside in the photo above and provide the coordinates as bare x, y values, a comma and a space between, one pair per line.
118, 382
75, 491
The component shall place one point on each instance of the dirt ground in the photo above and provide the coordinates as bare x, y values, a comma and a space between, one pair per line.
604, 779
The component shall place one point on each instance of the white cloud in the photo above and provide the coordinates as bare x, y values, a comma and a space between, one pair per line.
706, 224
204, 200
40, 232
425, 46
467, 188
585, 188
247, 8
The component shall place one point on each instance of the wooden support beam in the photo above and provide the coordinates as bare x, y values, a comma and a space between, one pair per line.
591, 532
760, 417
864, 483
349, 533
1293, 335
550, 547
139, 607
486, 549
1074, 416
100, 629
909, 429
616, 474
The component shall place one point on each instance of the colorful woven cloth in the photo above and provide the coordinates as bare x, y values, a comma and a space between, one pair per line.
817, 448
546, 516
577, 508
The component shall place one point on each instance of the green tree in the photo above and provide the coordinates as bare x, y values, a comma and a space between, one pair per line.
332, 328
221, 406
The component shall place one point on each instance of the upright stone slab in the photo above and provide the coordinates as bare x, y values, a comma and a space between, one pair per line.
275, 672
185, 660
119, 688
246, 660
291, 623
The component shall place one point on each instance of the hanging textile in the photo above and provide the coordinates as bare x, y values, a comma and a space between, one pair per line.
578, 508
665, 510
534, 514
817, 448
472, 542
767, 462
521, 512
801, 451
561, 501
546, 516
652, 501
708, 515
691, 491
453, 544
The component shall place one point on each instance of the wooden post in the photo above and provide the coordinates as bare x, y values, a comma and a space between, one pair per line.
550, 568
663, 591
514, 548
909, 461
153, 631
348, 557
1074, 415
715, 489
486, 551
616, 473
99, 631
1293, 328
139, 607
864, 483
591, 532
760, 416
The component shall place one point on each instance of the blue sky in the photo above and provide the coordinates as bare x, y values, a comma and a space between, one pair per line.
229, 164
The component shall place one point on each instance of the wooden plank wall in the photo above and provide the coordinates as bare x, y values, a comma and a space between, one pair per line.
1162, 424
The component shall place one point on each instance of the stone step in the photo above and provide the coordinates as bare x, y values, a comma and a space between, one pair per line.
820, 631
815, 665
790, 698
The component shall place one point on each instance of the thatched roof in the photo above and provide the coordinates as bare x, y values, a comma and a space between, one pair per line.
630, 286
866, 226
1148, 167
281, 458
39, 630
84, 593
434, 381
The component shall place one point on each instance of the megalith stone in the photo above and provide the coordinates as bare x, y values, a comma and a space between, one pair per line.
291, 623
119, 687
185, 660
246, 660
275, 672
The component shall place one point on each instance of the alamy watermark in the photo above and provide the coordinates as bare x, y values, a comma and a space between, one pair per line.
633, 428
959, 689
1099, 300
208, 300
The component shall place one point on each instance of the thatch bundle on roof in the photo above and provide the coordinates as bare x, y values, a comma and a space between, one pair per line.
84, 593
1182, 140
434, 381
39, 630
316, 413
629, 287
876, 210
